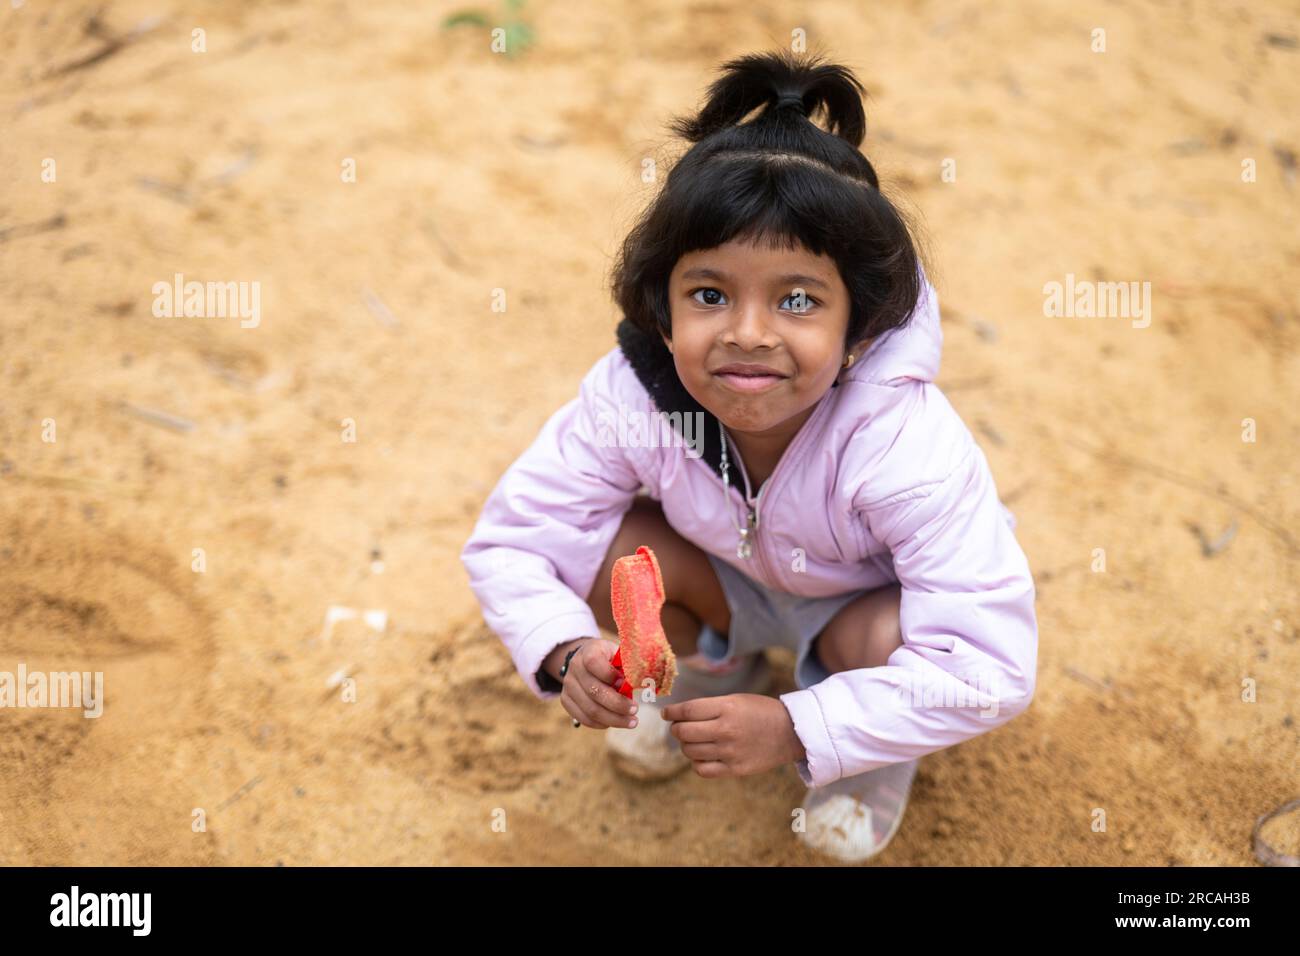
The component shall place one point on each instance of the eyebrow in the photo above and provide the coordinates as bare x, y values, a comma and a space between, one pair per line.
793, 278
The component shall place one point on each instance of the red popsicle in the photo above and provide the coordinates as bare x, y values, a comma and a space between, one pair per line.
637, 597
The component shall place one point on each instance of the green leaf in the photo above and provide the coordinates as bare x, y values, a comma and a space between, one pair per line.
519, 36
465, 18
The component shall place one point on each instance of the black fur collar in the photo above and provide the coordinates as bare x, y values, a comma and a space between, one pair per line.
653, 364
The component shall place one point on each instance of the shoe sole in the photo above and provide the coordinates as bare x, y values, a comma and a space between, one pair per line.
894, 798
636, 770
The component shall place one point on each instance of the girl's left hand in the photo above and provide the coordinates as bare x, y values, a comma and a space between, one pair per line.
734, 735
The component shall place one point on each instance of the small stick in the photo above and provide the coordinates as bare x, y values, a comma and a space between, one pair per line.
448, 253
991, 432
1242, 505
1010, 497
162, 419
339, 676
1265, 853
379, 310
78, 484
235, 169
173, 192
111, 44
1084, 678
1210, 548
33, 228
240, 793
335, 680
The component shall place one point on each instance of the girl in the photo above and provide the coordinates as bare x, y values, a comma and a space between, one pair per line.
769, 425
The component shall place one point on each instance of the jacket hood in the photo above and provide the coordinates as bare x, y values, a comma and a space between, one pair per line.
910, 352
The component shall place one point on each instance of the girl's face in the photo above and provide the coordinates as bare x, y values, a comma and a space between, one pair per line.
758, 333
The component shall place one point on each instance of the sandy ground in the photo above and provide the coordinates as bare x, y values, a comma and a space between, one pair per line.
477, 172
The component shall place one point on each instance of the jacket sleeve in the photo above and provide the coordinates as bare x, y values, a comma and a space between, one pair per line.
969, 655
545, 529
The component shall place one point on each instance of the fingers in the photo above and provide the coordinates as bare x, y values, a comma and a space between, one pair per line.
595, 659
589, 713
577, 711
595, 704
610, 699
603, 704
607, 704
703, 752
698, 731
701, 708
711, 768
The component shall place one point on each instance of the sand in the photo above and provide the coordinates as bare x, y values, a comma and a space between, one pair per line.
222, 741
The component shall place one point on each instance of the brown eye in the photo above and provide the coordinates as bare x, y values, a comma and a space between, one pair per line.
706, 291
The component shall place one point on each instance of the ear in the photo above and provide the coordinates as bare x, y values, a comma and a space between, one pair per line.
668, 343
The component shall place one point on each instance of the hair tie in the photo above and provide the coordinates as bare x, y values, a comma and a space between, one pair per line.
792, 100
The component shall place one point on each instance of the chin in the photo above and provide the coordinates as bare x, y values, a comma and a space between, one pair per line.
753, 414
750, 416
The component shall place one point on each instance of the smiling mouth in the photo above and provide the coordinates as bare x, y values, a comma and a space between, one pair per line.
749, 382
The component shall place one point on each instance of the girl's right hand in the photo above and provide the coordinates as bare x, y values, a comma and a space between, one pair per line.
589, 695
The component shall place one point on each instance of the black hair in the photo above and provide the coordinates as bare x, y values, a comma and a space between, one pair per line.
779, 179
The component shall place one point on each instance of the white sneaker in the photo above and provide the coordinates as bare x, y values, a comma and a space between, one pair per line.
854, 818
649, 751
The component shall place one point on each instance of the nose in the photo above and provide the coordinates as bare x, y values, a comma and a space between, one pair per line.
749, 326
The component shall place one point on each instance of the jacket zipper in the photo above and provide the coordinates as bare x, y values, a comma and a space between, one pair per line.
754, 507
747, 499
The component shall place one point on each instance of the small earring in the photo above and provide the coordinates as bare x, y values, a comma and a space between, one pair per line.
849, 360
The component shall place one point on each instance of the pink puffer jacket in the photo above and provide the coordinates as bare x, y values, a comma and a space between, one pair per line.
883, 483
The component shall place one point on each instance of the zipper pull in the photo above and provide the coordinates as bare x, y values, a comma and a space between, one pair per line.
743, 547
